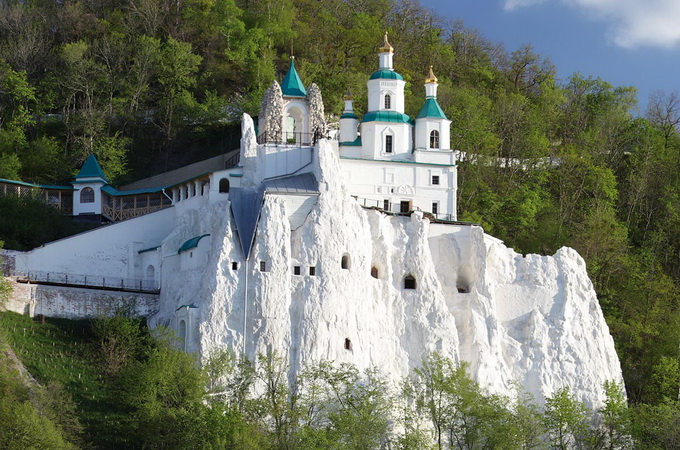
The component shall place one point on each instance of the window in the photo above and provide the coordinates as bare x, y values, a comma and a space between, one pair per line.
87, 195
388, 101
374, 272
435, 208
344, 263
312, 271
435, 179
296, 270
224, 186
348, 344
234, 265
388, 144
434, 139
263, 266
405, 206
409, 282
386, 205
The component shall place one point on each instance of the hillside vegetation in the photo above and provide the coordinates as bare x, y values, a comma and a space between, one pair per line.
108, 383
149, 84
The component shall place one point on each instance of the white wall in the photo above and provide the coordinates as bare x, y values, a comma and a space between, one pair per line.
396, 182
376, 94
87, 208
109, 251
373, 140
425, 126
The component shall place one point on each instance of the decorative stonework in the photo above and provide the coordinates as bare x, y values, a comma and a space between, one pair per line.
271, 112
317, 121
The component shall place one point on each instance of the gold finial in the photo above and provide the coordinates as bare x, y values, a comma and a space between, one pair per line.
348, 95
431, 78
386, 47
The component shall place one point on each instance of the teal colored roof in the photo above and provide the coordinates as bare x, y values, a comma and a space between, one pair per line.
386, 116
191, 243
431, 109
91, 169
41, 186
292, 84
349, 116
116, 193
354, 143
386, 75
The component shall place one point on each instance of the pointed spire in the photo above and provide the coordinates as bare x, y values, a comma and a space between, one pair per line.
292, 84
386, 47
91, 169
348, 95
431, 78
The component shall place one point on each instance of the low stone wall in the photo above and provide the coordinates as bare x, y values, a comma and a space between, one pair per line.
76, 303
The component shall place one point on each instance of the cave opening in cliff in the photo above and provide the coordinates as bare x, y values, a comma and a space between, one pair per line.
409, 282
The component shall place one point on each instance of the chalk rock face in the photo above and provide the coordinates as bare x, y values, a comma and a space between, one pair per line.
317, 118
532, 320
271, 111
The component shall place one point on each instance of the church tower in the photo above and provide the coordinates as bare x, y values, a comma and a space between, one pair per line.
432, 126
385, 129
349, 122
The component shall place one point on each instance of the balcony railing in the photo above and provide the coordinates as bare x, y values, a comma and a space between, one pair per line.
289, 138
87, 281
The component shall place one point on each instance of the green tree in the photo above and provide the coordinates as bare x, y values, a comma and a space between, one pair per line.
565, 420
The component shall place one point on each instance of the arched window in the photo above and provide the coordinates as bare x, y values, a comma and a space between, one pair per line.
374, 272
151, 273
344, 263
409, 282
87, 195
224, 185
434, 139
388, 101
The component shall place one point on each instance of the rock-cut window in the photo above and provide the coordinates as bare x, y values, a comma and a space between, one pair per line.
434, 139
388, 101
344, 262
87, 195
409, 282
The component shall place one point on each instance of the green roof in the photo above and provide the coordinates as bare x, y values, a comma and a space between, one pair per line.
349, 116
431, 109
386, 116
41, 186
91, 169
292, 84
387, 75
354, 143
191, 243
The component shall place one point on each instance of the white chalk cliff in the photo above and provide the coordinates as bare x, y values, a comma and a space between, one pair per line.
534, 320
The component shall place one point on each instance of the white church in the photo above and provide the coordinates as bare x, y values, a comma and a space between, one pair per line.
345, 249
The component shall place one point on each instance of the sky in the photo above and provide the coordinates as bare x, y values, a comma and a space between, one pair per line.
625, 42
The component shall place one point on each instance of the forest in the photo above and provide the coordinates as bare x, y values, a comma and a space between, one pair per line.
150, 85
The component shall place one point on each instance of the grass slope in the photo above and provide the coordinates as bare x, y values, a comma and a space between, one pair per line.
61, 350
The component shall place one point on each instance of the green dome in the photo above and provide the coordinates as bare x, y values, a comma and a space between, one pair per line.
386, 74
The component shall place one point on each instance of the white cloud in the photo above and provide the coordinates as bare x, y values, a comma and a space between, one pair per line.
632, 23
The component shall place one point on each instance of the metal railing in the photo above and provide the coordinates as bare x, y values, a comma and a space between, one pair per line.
87, 281
402, 209
289, 138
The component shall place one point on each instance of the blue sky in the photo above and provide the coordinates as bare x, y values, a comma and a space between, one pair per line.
625, 42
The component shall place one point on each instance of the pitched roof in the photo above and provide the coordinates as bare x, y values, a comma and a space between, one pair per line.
292, 84
431, 109
246, 204
91, 169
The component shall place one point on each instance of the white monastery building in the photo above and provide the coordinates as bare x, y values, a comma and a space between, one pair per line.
344, 249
